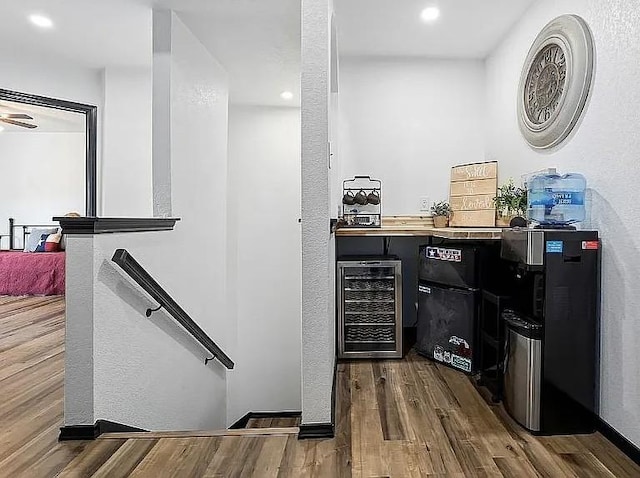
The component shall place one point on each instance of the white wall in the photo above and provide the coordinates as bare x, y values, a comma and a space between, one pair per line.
48, 77
79, 321
605, 148
199, 103
60, 80
122, 366
42, 176
161, 118
335, 162
407, 121
335, 173
148, 372
123, 98
263, 236
318, 323
126, 146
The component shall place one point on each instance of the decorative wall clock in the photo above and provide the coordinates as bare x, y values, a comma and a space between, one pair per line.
555, 82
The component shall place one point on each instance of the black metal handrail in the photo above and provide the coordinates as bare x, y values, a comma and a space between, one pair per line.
128, 264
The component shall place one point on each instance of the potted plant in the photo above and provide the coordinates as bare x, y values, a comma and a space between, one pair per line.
441, 211
511, 201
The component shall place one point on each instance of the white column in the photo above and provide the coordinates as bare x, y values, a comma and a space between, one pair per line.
78, 373
318, 327
161, 122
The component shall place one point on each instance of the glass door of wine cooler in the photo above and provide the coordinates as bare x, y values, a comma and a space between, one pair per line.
370, 309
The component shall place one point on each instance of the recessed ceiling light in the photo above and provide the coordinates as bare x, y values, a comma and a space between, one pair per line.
430, 14
41, 21
1, 129
286, 95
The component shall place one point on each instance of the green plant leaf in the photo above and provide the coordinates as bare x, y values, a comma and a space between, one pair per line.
441, 208
511, 200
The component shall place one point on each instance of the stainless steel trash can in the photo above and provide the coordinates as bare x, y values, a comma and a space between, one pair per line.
523, 370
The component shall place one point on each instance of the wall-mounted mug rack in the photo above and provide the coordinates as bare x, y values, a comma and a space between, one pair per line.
362, 202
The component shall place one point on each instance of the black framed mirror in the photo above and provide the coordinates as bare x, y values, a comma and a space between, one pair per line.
91, 122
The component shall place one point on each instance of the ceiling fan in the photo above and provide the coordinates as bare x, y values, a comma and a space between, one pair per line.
12, 118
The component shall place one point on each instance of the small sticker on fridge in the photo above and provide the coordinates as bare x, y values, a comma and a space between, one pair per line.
461, 362
447, 357
442, 254
438, 353
458, 341
590, 245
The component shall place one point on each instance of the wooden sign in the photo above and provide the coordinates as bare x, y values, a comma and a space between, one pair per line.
473, 187
482, 218
472, 203
471, 172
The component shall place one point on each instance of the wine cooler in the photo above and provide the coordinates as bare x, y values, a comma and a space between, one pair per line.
370, 308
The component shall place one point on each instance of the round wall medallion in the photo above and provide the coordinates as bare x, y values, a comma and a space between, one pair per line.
555, 81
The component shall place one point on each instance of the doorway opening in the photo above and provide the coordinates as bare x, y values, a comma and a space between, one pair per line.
48, 168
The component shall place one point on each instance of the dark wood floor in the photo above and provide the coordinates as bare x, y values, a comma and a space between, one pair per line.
31, 380
394, 419
277, 422
400, 418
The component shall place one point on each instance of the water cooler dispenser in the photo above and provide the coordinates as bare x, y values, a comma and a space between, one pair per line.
556, 200
551, 354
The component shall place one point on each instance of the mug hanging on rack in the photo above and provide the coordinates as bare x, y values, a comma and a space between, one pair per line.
373, 198
360, 198
348, 199
361, 202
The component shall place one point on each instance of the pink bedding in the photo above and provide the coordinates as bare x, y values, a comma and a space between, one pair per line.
32, 273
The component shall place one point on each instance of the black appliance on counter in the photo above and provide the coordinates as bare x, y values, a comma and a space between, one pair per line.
451, 277
551, 358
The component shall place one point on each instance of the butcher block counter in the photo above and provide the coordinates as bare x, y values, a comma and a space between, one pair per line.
418, 226
402, 236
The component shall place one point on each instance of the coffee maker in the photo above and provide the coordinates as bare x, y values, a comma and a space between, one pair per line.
552, 329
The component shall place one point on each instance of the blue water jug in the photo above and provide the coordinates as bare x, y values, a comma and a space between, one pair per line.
556, 200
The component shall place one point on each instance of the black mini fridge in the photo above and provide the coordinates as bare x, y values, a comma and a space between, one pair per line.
446, 330
450, 281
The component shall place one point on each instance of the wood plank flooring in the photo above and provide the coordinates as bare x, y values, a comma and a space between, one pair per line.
400, 418
31, 381
406, 418
273, 422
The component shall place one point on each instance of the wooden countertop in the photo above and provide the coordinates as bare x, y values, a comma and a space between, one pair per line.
418, 226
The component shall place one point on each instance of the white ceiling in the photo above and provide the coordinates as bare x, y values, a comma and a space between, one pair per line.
257, 41
48, 120
90, 33
465, 29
